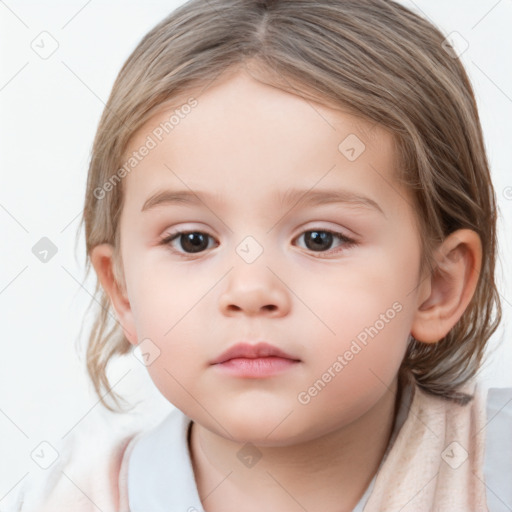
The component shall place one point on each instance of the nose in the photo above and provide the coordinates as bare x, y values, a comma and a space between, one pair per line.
254, 289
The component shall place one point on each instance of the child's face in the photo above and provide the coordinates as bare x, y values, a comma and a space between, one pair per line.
344, 311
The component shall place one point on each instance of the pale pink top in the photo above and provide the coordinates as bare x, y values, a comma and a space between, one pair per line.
437, 459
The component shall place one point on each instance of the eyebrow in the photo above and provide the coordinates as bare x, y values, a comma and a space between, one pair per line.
297, 197
317, 197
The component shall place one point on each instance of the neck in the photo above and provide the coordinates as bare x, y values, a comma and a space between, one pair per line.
329, 473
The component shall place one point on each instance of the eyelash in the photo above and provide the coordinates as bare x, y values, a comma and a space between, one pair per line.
348, 242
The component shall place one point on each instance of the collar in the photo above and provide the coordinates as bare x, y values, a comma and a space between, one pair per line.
160, 472
159, 465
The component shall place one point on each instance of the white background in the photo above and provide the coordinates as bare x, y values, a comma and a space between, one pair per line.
49, 112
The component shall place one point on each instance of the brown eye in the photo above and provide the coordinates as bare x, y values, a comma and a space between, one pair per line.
318, 240
190, 242
321, 240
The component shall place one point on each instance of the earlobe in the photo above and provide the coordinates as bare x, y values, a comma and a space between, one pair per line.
452, 284
102, 259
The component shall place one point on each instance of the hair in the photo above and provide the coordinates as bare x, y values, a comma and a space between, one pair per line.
375, 58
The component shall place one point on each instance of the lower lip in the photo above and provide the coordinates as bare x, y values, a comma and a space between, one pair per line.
256, 367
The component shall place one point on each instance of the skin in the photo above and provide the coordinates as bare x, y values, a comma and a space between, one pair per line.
244, 141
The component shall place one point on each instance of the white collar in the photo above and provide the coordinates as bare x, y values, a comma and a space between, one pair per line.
160, 473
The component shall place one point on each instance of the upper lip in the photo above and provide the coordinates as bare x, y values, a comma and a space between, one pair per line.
252, 351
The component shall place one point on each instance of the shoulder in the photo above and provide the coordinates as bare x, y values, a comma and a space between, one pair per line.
488, 409
85, 476
457, 405
445, 445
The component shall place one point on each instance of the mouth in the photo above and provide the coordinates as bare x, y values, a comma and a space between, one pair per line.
254, 361
253, 351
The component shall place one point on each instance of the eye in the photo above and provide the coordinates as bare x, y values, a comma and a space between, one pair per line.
316, 240
191, 242
321, 240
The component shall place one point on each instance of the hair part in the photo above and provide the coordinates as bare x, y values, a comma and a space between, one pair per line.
374, 58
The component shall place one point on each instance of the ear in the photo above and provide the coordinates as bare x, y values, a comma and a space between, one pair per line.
449, 287
102, 259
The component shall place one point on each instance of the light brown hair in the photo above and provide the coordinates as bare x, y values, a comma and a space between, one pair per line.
374, 58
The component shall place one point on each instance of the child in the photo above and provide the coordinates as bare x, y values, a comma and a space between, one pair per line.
337, 378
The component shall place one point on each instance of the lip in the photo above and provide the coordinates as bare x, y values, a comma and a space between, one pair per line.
253, 351
254, 361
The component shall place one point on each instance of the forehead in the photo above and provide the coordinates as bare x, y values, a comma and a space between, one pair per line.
241, 133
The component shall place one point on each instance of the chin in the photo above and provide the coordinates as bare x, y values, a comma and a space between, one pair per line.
262, 428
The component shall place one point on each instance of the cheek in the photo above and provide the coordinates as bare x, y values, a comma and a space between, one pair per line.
169, 309
366, 318
182, 357
374, 290
161, 297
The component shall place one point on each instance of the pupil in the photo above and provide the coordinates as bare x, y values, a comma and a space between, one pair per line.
193, 241
317, 238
